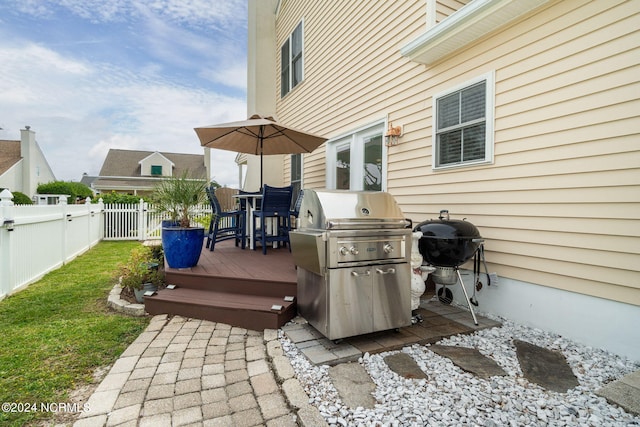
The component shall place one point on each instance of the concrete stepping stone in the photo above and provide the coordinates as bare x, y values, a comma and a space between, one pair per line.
405, 366
624, 392
547, 368
470, 360
354, 385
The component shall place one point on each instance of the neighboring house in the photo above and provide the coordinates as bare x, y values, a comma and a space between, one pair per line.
88, 181
137, 172
520, 116
23, 165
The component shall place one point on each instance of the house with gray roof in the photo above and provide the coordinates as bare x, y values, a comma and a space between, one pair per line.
137, 172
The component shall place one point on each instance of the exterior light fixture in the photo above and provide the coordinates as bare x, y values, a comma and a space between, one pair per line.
392, 135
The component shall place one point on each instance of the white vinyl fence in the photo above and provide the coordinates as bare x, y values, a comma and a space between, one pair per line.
36, 239
141, 221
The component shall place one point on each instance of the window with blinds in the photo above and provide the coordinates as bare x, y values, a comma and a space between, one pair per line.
461, 132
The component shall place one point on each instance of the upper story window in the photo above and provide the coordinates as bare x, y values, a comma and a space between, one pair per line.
463, 129
156, 170
291, 61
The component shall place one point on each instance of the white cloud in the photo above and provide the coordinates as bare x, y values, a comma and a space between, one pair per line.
206, 13
81, 110
233, 75
81, 102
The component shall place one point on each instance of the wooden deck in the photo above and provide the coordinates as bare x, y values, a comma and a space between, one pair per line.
234, 286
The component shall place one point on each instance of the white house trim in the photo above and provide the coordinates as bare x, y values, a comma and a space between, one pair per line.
471, 22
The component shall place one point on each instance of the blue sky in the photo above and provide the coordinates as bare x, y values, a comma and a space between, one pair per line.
90, 75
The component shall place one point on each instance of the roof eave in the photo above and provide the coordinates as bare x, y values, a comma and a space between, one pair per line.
467, 25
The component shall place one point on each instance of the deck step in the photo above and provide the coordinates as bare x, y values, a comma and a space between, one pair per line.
246, 311
232, 284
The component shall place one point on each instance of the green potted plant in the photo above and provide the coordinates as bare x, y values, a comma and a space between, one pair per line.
177, 197
140, 273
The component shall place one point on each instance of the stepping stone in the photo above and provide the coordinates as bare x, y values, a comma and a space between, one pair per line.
354, 385
470, 360
547, 368
624, 392
405, 366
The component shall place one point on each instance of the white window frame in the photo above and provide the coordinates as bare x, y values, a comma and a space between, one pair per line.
489, 79
355, 141
301, 181
289, 39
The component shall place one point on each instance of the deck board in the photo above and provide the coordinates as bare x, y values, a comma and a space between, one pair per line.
227, 260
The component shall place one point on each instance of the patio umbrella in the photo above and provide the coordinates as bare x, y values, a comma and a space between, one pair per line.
258, 135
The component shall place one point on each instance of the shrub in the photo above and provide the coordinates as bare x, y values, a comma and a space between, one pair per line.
19, 198
114, 197
75, 190
138, 269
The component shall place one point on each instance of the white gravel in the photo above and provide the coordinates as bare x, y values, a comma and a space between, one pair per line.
452, 397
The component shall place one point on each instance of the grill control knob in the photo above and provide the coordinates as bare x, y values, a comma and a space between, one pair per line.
354, 250
388, 248
344, 250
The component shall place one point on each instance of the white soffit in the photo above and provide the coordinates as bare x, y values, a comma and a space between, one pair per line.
471, 22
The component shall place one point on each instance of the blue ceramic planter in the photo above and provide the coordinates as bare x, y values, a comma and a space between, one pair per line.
182, 246
167, 223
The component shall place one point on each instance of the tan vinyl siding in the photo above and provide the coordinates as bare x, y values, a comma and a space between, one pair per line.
351, 76
560, 205
444, 8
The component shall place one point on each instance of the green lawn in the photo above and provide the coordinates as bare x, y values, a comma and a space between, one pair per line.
57, 331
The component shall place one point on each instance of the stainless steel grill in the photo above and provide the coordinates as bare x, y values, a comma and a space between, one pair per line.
352, 250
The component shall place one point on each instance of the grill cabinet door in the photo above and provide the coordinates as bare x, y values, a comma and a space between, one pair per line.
350, 302
391, 296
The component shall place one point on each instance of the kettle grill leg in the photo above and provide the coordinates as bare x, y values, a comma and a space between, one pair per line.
475, 321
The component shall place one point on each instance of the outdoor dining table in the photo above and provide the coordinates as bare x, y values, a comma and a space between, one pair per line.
252, 201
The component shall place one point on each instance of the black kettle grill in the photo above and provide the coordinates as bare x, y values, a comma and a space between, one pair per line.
446, 244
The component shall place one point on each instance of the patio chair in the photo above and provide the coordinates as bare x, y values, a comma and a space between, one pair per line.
225, 224
275, 207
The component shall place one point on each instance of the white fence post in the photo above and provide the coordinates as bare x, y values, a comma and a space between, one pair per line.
87, 203
101, 221
63, 228
6, 227
142, 227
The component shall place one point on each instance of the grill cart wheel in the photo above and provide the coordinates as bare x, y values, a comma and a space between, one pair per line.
445, 295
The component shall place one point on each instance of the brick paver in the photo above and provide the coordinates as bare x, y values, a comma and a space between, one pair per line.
194, 372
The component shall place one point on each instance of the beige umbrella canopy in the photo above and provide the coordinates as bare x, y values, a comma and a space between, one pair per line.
258, 135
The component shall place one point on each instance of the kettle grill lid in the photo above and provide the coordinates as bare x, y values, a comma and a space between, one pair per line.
447, 229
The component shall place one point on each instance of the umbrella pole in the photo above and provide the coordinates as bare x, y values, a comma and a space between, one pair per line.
261, 137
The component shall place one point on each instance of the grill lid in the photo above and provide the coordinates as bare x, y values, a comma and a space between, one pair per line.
447, 242
343, 209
